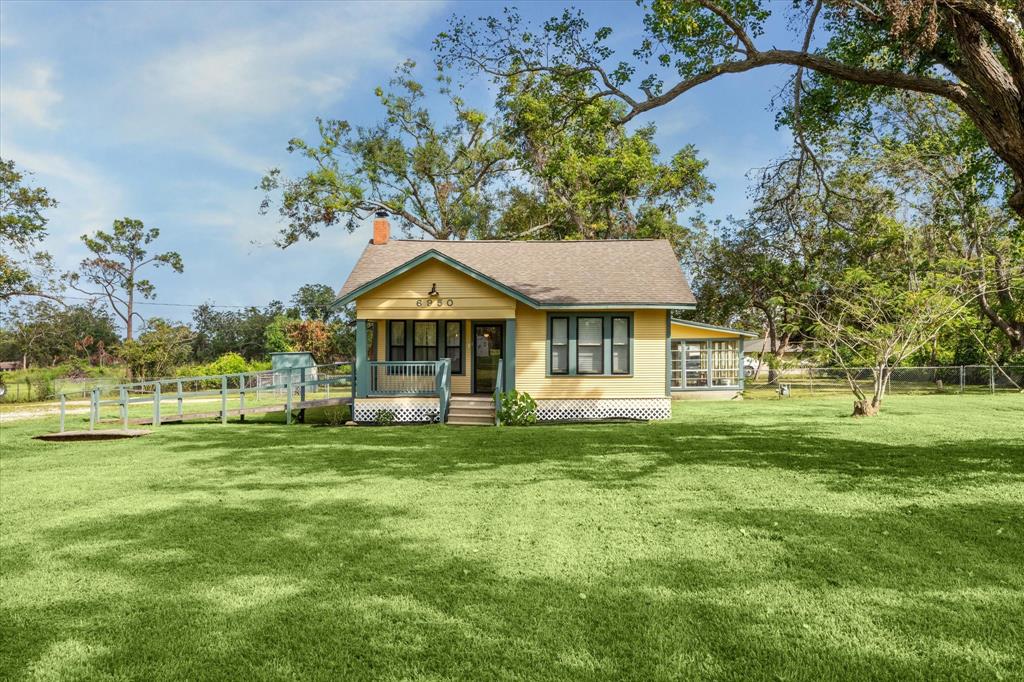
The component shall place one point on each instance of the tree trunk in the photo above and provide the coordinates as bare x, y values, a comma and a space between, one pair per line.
866, 408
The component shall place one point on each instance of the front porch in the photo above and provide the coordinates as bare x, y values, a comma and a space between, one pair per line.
416, 370
403, 357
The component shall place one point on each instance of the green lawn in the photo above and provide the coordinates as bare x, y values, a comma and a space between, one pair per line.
751, 540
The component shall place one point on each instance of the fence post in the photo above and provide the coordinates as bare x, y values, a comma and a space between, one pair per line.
288, 403
179, 398
241, 397
123, 402
224, 399
992, 378
156, 403
302, 384
93, 409
961, 379
62, 397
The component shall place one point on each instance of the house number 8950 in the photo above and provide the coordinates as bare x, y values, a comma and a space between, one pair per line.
431, 303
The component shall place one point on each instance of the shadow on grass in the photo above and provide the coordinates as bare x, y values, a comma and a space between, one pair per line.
349, 590
619, 455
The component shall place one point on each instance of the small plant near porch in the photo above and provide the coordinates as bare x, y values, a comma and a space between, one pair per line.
517, 408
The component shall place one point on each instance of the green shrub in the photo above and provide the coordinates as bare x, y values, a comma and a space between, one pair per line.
517, 409
229, 363
385, 417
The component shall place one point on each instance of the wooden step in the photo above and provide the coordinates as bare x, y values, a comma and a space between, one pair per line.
471, 409
471, 420
472, 400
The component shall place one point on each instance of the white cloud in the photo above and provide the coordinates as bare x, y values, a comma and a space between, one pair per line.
29, 96
263, 70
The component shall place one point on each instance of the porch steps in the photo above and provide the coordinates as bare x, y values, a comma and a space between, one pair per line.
471, 410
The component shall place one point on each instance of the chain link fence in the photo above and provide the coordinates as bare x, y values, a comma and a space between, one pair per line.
820, 381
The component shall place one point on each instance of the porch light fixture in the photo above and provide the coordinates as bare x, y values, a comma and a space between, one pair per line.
433, 290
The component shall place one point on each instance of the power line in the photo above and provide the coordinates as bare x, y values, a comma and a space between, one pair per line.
175, 305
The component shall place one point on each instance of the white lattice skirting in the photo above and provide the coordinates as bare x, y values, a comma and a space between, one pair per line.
609, 408
404, 409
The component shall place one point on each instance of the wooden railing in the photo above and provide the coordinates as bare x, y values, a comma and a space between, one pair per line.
499, 388
246, 385
403, 378
443, 379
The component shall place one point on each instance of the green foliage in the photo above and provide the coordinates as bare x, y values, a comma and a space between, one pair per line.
276, 336
385, 417
588, 177
440, 179
315, 302
24, 270
159, 350
46, 333
243, 331
229, 363
112, 272
964, 52
517, 409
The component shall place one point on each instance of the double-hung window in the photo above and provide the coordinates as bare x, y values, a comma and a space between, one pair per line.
453, 344
424, 340
396, 340
589, 345
620, 345
559, 335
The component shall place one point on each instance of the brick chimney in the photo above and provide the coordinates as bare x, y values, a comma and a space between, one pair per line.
381, 228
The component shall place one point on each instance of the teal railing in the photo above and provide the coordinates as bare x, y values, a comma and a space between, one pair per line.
223, 386
499, 388
443, 386
402, 378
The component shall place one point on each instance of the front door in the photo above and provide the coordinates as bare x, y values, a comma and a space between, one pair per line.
488, 349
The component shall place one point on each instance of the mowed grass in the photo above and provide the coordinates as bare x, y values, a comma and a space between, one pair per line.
751, 540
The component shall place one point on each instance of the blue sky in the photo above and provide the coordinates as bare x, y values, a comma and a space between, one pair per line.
171, 111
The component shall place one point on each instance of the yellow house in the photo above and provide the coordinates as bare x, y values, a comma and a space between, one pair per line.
584, 327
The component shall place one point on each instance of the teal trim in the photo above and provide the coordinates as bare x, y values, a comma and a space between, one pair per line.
510, 354
609, 354
616, 306
714, 328
707, 344
741, 368
547, 346
362, 367
668, 354
702, 389
606, 352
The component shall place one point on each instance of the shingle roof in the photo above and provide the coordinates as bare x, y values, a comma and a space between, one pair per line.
629, 272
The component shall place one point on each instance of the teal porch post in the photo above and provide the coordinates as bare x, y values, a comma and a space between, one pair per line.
742, 368
668, 353
362, 368
510, 354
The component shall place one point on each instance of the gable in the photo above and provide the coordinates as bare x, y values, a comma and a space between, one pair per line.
542, 274
406, 296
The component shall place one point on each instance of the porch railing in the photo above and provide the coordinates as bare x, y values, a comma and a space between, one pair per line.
499, 388
408, 378
443, 380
